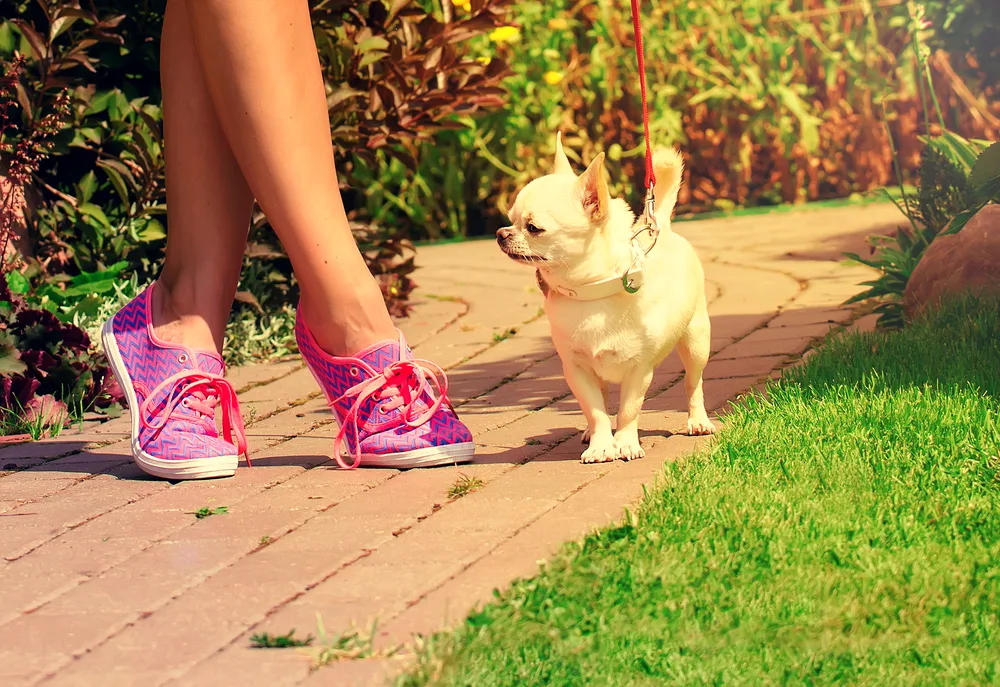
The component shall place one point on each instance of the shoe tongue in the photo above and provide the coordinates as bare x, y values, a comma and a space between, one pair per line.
384, 353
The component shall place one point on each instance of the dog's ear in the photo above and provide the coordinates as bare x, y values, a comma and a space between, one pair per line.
594, 191
562, 165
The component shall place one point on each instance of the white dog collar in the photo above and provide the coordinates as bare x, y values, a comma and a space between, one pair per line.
630, 282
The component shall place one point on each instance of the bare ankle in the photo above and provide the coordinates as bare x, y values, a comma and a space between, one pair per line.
344, 330
171, 323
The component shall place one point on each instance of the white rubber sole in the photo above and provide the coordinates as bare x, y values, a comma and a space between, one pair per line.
433, 456
197, 468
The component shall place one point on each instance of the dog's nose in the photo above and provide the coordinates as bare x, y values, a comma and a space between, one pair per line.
505, 233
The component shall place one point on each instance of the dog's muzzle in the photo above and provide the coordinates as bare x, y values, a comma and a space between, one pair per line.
506, 240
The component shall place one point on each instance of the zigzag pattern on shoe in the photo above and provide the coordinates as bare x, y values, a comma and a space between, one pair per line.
176, 391
388, 404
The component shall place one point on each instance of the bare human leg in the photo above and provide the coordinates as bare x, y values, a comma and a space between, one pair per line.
262, 70
174, 382
245, 109
208, 199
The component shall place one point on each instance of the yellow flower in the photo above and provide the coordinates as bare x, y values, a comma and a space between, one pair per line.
558, 24
552, 78
484, 60
463, 4
505, 34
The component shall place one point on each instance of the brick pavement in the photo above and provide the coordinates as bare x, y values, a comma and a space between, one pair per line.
107, 578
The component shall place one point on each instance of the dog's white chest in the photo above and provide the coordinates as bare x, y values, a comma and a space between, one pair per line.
599, 340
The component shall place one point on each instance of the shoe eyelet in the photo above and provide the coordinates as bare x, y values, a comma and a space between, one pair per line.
382, 410
182, 358
185, 403
354, 372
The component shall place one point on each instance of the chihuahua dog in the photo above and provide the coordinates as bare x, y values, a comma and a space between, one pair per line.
618, 296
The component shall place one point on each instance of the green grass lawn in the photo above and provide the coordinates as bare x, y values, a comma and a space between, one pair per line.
845, 530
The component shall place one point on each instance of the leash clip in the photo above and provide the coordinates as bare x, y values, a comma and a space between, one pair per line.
650, 225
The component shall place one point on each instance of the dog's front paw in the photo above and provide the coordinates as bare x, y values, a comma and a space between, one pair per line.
700, 426
629, 447
601, 450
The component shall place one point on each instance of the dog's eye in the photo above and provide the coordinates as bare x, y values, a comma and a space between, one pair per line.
532, 229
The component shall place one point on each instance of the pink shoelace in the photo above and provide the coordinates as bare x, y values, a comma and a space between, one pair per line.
399, 386
201, 392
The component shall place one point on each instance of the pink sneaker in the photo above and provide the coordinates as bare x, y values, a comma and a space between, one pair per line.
172, 394
393, 410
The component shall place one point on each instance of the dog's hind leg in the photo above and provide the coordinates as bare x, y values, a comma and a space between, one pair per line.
606, 392
694, 348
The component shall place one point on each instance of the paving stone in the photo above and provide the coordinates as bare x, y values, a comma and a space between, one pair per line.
794, 316
429, 316
741, 367
148, 581
259, 374
360, 673
597, 504
866, 323
434, 550
45, 520
770, 333
69, 441
766, 347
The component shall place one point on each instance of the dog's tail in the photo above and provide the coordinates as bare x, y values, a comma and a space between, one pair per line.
668, 166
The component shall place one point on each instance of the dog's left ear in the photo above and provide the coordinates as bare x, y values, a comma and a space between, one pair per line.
562, 165
594, 190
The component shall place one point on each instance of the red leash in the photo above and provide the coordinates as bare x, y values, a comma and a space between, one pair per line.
637, 28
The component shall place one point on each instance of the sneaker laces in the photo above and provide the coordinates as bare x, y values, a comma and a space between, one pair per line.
201, 392
398, 386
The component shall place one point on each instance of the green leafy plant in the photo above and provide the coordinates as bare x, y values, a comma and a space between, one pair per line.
945, 199
967, 31
206, 512
46, 366
44, 417
395, 75
984, 180
97, 199
765, 98
957, 178
265, 640
463, 486
42, 358
349, 645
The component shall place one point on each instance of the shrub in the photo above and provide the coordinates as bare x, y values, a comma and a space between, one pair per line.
41, 356
967, 30
45, 365
946, 197
394, 76
956, 179
769, 105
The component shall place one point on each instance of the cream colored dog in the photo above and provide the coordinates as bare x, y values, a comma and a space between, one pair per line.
616, 311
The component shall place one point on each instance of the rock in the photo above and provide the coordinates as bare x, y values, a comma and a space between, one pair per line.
966, 262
